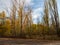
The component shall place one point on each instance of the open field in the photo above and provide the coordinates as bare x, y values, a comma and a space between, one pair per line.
9, 41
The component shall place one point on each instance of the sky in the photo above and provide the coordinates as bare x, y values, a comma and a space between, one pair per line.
37, 7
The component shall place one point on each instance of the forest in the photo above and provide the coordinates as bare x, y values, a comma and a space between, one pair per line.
20, 24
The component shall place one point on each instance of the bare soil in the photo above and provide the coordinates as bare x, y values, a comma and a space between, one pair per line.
14, 41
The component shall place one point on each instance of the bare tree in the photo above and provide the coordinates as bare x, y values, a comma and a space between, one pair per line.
54, 14
45, 18
28, 18
13, 16
46, 13
20, 14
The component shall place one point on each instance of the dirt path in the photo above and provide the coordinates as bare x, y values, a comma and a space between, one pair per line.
5, 41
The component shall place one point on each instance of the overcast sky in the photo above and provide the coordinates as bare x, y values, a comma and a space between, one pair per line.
37, 6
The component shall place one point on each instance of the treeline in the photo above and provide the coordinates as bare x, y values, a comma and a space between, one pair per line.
20, 23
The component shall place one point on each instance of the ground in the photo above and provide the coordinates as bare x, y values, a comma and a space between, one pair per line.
9, 41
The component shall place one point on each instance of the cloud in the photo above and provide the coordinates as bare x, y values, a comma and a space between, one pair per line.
4, 4
37, 13
29, 2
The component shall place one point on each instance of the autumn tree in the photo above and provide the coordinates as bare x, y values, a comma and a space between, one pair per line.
25, 18
54, 15
46, 13
2, 23
45, 18
8, 26
28, 20
13, 17
20, 14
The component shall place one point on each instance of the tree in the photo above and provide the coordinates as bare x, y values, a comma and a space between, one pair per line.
46, 18
25, 17
54, 15
2, 23
46, 14
13, 17
28, 21
20, 14
8, 27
